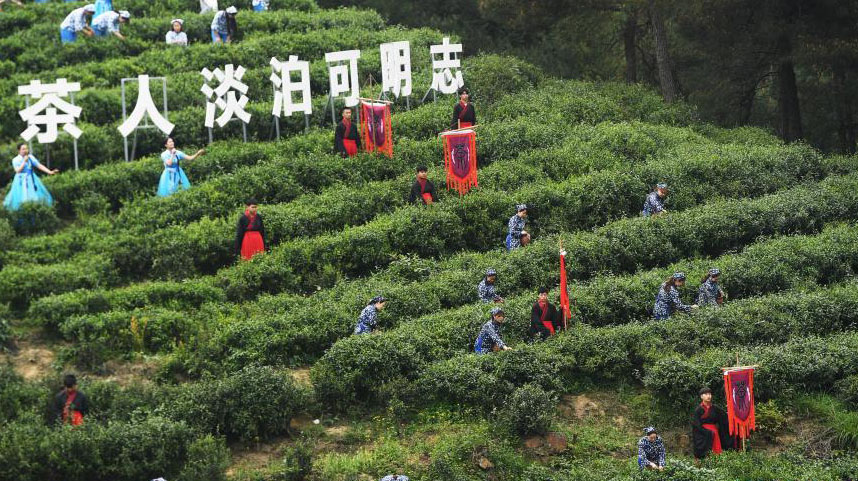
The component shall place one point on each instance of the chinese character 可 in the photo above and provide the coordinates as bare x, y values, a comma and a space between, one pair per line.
344, 76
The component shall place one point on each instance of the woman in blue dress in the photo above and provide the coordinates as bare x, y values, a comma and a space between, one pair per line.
26, 186
173, 178
102, 6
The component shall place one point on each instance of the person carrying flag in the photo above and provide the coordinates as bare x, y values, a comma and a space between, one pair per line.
545, 319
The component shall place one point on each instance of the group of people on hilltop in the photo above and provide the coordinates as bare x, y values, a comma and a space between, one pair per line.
99, 19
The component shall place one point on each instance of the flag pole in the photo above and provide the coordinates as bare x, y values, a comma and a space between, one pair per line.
565, 313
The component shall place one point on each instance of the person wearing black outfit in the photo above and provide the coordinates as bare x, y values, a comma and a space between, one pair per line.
250, 232
545, 319
346, 136
710, 431
464, 114
423, 188
70, 405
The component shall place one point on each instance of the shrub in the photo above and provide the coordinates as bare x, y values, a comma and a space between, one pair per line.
144, 449
33, 218
529, 410
208, 458
252, 404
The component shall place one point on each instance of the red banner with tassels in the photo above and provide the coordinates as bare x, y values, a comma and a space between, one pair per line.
460, 159
376, 128
739, 388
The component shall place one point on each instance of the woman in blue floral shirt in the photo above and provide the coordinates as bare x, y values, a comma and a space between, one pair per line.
517, 236
710, 293
651, 450
654, 204
486, 288
489, 339
667, 300
367, 320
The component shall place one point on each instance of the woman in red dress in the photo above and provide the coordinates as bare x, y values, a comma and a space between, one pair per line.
250, 234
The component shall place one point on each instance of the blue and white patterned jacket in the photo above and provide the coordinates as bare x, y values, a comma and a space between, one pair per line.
668, 302
489, 337
367, 320
653, 204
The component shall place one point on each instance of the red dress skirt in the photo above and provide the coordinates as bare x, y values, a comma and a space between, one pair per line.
351, 147
251, 244
465, 125
716, 438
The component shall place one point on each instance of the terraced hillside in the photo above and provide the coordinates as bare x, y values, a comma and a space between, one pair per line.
201, 368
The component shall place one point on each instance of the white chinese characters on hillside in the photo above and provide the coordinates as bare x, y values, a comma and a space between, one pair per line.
145, 106
229, 96
285, 87
224, 96
50, 111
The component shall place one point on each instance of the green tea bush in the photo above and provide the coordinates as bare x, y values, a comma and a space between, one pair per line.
529, 410
33, 218
51, 311
208, 459
252, 404
143, 449
19, 285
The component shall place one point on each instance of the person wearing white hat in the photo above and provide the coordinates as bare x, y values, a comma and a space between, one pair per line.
224, 26
176, 35
109, 22
76, 22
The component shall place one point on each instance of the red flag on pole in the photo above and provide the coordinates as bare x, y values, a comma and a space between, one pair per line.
739, 388
460, 159
376, 128
564, 291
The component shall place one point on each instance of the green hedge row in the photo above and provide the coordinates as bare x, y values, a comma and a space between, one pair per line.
146, 431
204, 200
350, 368
478, 221
52, 13
624, 352
51, 311
122, 451
28, 48
288, 335
19, 285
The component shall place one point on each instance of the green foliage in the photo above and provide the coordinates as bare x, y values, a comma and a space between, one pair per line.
17, 397
250, 405
143, 449
771, 420
208, 458
33, 218
529, 410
